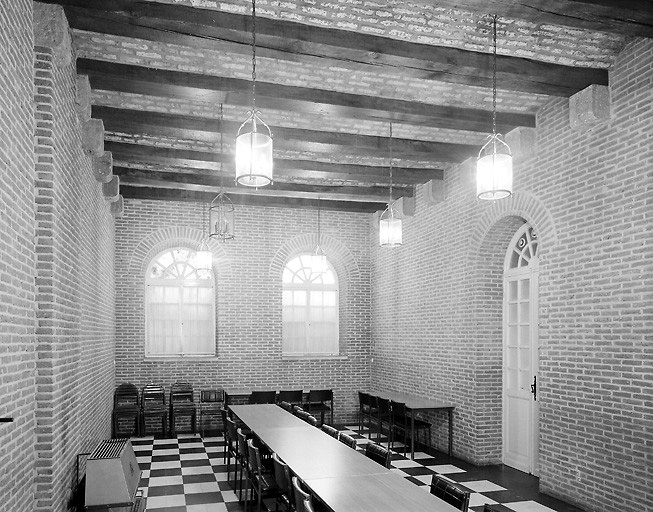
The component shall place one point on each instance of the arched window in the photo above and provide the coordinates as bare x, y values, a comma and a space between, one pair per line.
179, 307
310, 309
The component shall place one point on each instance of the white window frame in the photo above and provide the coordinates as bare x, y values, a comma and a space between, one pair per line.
172, 270
297, 277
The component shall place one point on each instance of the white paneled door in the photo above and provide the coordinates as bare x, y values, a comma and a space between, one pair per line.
520, 353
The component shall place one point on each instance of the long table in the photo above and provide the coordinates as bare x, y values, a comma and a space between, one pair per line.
343, 478
415, 404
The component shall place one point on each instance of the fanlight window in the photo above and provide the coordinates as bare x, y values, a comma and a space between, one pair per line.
310, 309
524, 248
179, 307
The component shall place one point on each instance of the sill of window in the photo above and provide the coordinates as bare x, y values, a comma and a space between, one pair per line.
313, 357
177, 358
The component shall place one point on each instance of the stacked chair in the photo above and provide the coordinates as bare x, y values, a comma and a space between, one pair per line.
153, 405
320, 401
182, 405
211, 404
126, 409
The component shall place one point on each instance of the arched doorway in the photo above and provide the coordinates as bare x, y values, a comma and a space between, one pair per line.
520, 352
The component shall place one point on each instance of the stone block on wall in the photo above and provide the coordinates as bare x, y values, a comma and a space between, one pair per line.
93, 136
52, 31
118, 206
103, 167
589, 107
83, 98
433, 191
405, 206
111, 189
522, 142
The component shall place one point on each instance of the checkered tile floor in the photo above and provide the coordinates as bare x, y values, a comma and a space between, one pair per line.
187, 474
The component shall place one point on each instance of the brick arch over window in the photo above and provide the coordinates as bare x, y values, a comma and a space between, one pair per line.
168, 238
341, 260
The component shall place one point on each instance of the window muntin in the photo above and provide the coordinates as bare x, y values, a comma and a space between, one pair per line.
310, 309
179, 307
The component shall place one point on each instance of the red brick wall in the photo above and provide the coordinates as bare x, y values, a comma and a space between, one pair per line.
436, 301
57, 294
17, 291
248, 298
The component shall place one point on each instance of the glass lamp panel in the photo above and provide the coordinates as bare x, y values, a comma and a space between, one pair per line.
494, 176
254, 159
390, 232
319, 262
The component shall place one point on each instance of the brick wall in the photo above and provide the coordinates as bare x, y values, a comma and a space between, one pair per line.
17, 291
248, 298
57, 294
436, 301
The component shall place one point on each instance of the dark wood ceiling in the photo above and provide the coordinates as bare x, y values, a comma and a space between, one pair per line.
330, 80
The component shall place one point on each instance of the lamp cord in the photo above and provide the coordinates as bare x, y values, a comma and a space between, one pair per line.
494, 77
318, 221
390, 199
221, 149
253, 55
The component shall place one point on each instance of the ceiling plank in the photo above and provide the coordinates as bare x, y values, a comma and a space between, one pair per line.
285, 40
208, 130
168, 194
158, 82
165, 179
284, 169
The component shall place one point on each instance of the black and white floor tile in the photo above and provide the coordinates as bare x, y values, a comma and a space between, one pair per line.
187, 474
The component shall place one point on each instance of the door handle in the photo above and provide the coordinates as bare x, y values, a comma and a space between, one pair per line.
534, 387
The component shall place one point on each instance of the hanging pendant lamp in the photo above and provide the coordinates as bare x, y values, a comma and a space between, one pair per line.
390, 223
494, 163
222, 214
319, 259
254, 138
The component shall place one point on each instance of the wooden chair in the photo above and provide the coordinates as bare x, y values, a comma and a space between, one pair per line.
263, 397
301, 497
211, 401
243, 460
348, 440
286, 406
364, 409
231, 449
400, 422
333, 432
182, 405
382, 417
378, 453
284, 484
449, 492
126, 406
153, 405
263, 482
320, 400
311, 420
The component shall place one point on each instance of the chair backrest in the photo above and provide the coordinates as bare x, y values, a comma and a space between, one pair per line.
302, 414
181, 392
363, 400
243, 452
301, 496
209, 396
125, 395
281, 474
490, 508
398, 412
311, 420
308, 506
262, 397
296, 410
347, 439
320, 395
153, 396
378, 453
384, 406
449, 492
294, 396
231, 430
333, 432
254, 458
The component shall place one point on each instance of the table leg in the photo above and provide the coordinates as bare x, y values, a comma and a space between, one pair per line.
450, 431
412, 434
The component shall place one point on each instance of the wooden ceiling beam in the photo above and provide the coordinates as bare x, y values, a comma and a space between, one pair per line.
291, 41
158, 82
295, 139
284, 169
212, 183
170, 194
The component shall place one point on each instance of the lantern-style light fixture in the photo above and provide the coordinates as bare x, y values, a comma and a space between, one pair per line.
222, 214
319, 259
254, 138
494, 163
390, 223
